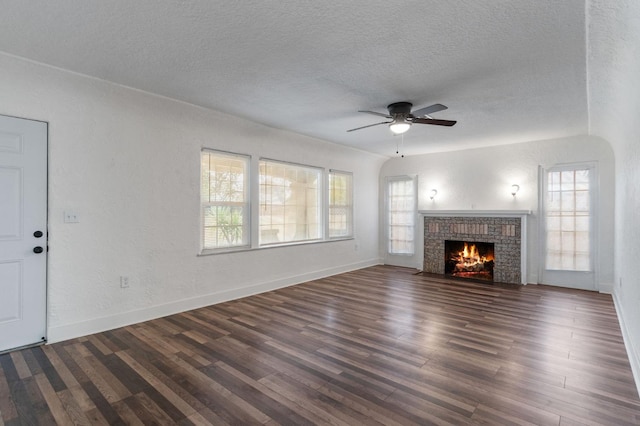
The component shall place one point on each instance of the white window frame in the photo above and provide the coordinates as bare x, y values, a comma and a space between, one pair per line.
320, 203
347, 207
571, 278
246, 204
573, 169
414, 182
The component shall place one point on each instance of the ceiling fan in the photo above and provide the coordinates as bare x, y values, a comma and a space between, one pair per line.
401, 117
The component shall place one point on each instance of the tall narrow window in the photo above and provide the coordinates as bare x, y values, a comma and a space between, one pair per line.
401, 205
290, 205
224, 200
340, 204
568, 219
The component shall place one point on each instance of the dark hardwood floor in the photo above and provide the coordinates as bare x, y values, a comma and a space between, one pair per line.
375, 346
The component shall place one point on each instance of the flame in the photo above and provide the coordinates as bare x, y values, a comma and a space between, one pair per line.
470, 256
470, 263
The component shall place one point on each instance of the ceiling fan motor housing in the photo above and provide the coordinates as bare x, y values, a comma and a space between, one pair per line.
399, 108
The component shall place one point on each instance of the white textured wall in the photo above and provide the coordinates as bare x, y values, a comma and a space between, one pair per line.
614, 92
128, 163
481, 179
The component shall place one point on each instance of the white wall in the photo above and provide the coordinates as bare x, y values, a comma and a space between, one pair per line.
481, 179
614, 91
128, 163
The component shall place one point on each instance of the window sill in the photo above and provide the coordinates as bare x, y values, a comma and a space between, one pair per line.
214, 252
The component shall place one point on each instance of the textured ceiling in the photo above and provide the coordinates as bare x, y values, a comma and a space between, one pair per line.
509, 70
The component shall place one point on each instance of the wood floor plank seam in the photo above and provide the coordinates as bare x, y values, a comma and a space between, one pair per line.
380, 345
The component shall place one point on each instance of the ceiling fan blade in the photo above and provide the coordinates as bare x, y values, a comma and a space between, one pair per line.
370, 125
434, 121
428, 110
377, 113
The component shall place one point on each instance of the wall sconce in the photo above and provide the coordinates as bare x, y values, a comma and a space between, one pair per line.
433, 194
514, 189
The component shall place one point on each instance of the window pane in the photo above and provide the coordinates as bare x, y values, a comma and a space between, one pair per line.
553, 239
566, 181
582, 240
224, 198
401, 215
567, 202
553, 223
582, 201
554, 181
290, 208
582, 180
582, 223
554, 260
568, 242
553, 201
568, 223
340, 204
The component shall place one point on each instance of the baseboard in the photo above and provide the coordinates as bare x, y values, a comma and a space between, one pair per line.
606, 288
97, 325
632, 353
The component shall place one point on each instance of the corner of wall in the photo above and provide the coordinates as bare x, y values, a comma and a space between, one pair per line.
606, 288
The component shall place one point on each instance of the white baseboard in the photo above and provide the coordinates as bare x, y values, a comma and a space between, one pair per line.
632, 352
97, 325
606, 288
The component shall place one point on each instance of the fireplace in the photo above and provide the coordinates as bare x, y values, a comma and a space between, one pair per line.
498, 235
469, 259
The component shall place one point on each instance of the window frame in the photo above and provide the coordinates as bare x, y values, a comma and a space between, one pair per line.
246, 204
251, 223
320, 202
592, 215
414, 182
349, 206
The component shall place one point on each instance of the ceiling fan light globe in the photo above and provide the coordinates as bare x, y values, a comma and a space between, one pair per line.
399, 127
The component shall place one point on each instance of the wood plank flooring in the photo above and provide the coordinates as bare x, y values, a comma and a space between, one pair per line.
375, 346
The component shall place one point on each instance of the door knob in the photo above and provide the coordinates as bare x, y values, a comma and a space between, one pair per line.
38, 249
38, 234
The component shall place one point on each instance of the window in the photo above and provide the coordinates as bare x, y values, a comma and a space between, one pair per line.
224, 200
289, 205
568, 219
290, 202
401, 206
340, 204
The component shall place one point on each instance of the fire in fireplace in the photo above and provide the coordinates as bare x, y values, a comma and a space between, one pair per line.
469, 259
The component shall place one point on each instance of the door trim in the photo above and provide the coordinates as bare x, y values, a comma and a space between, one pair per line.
594, 180
45, 332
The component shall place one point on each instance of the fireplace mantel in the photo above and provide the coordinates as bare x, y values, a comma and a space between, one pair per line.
475, 213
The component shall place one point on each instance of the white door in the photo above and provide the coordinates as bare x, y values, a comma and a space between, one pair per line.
568, 226
23, 232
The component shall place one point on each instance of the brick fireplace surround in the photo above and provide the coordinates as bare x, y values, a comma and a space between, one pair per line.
506, 229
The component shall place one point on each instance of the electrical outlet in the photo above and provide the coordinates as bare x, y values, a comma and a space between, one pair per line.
124, 282
71, 216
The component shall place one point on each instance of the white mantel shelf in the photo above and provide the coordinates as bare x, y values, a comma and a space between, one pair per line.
475, 213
